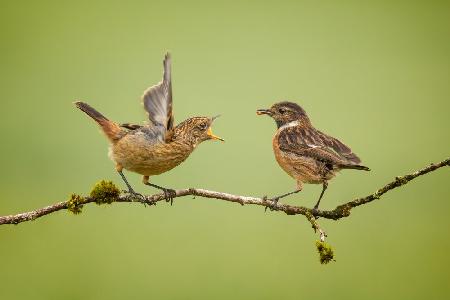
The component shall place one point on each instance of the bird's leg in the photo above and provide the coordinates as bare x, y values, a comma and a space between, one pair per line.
130, 189
325, 185
169, 194
275, 199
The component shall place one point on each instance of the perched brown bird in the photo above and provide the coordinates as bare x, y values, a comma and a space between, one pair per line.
158, 146
305, 153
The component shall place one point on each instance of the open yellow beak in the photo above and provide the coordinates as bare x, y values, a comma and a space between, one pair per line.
212, 136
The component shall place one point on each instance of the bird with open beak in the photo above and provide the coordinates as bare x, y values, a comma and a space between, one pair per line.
158, 146
305, 153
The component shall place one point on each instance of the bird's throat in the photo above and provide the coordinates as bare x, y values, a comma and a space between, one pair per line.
284, 125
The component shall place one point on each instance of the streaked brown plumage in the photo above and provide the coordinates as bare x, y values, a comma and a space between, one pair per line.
158, 146
305, 153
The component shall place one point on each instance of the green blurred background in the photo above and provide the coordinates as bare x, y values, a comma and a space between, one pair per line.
375, 75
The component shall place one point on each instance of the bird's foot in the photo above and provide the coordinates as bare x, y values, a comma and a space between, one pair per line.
315, 210
169, 194
136, 196
274, 203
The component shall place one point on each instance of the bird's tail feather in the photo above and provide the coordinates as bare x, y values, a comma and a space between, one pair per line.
356, 167
111, 129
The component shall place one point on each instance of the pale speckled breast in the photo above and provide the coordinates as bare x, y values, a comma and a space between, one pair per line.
301, 168
146, 156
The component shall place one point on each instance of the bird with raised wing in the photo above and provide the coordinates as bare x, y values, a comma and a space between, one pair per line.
158, 146
305, 153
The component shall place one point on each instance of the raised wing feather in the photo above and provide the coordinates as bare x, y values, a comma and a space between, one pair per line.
157, 101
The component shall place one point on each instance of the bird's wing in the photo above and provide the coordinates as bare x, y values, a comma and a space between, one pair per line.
157, 101
313, 143
340, 148
130, 126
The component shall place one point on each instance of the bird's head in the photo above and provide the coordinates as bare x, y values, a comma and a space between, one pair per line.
196, 130
285, 112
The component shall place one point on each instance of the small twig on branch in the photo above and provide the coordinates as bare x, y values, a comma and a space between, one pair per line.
339, 212
316, 226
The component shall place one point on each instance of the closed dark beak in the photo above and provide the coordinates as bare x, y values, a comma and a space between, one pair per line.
263, 112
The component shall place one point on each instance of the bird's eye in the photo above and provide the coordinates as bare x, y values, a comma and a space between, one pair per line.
281, 110
202, 126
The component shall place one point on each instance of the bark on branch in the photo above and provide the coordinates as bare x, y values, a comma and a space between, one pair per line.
339, 212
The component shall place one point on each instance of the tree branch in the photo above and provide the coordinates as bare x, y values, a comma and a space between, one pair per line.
339, 212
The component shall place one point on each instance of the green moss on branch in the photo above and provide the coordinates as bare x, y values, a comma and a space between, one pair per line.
75, 204
105, 192
326, 253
